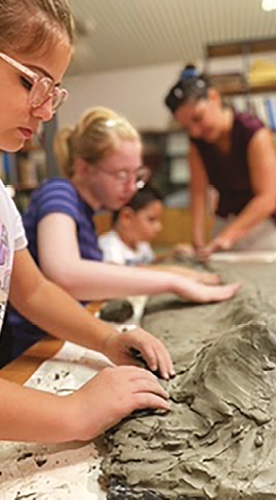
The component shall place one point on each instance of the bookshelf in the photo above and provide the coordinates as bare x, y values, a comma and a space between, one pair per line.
30, 166
165, 152
245, 49
258, 97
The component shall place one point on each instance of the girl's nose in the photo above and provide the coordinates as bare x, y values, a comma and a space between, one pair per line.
132, 184
44, 112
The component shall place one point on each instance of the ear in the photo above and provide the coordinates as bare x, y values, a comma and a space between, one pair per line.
126, 214
81, 166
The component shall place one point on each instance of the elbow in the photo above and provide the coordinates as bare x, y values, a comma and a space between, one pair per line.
270, 205
65, 278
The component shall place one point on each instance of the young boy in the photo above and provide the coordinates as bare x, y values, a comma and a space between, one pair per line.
134, 228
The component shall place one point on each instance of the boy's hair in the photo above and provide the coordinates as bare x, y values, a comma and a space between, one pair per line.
143, 197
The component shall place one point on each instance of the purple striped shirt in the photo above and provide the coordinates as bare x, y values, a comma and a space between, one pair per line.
54, 196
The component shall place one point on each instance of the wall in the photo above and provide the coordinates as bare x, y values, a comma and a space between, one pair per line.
137, 93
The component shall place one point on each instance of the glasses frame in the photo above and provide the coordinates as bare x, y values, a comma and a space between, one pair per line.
124, 176
54, 92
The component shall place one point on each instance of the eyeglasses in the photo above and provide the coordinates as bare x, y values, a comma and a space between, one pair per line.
124, 176
41, 88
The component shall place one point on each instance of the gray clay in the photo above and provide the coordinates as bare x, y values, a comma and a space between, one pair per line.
117, 311
218, 441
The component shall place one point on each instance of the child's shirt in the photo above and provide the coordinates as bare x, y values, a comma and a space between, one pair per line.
12, 238
116, 251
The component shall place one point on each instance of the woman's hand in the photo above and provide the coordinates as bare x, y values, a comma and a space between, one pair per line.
121, 349
109, 397
218, 244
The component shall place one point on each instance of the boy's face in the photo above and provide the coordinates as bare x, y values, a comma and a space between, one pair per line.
146, 223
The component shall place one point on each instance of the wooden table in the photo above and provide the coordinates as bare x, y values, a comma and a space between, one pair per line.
21, 369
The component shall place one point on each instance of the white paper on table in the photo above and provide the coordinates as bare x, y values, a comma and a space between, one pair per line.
244, 256
61, 471
66, 471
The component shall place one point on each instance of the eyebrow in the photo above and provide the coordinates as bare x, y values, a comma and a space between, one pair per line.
44, 72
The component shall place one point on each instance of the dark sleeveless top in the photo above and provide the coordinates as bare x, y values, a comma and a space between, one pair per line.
229, 172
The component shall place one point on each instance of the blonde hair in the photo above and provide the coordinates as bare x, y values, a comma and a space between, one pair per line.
25, 25
95, 136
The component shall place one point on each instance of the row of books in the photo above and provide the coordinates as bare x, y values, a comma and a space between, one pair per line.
263, 106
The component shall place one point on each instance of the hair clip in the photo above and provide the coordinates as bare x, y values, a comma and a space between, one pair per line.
111, 122
178, 93
200, 83
189, 73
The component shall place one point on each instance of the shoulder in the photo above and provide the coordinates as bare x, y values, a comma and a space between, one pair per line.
56, 187
7, 206
245, 127
247, 121
54, 196
10, 219
109, 238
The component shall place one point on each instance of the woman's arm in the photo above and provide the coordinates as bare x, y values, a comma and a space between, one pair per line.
198, 193
262, 164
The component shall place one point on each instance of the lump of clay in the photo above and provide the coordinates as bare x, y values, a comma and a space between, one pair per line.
117, 311
218, 441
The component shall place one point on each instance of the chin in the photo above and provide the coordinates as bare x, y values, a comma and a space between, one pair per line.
11, 145
211, 137
113, 206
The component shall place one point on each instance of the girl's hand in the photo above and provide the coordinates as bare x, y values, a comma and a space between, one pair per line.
109, 397
191, 290
121, 349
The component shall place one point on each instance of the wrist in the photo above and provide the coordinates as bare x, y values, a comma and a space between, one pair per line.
70, 418
198, 243
224, 242
77, 425
108, 342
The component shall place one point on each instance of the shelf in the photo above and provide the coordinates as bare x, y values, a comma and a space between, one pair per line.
245, 82
20, 187
240, 47
233, 88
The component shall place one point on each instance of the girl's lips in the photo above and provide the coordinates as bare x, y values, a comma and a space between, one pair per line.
26, 133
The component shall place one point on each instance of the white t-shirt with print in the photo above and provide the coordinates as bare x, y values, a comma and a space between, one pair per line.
116, 251
12, 238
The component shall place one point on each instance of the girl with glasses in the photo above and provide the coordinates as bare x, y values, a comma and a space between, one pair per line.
234, 153
101, 162
35, 50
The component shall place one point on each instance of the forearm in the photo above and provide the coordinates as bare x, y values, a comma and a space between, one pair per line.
198, 213
89, 280
256, 211
37, 416
57, 313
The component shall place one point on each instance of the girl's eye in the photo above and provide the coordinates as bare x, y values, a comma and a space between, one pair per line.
26, 83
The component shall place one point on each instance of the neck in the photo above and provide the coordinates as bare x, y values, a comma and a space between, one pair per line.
85, 193
227, 117
125, 237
